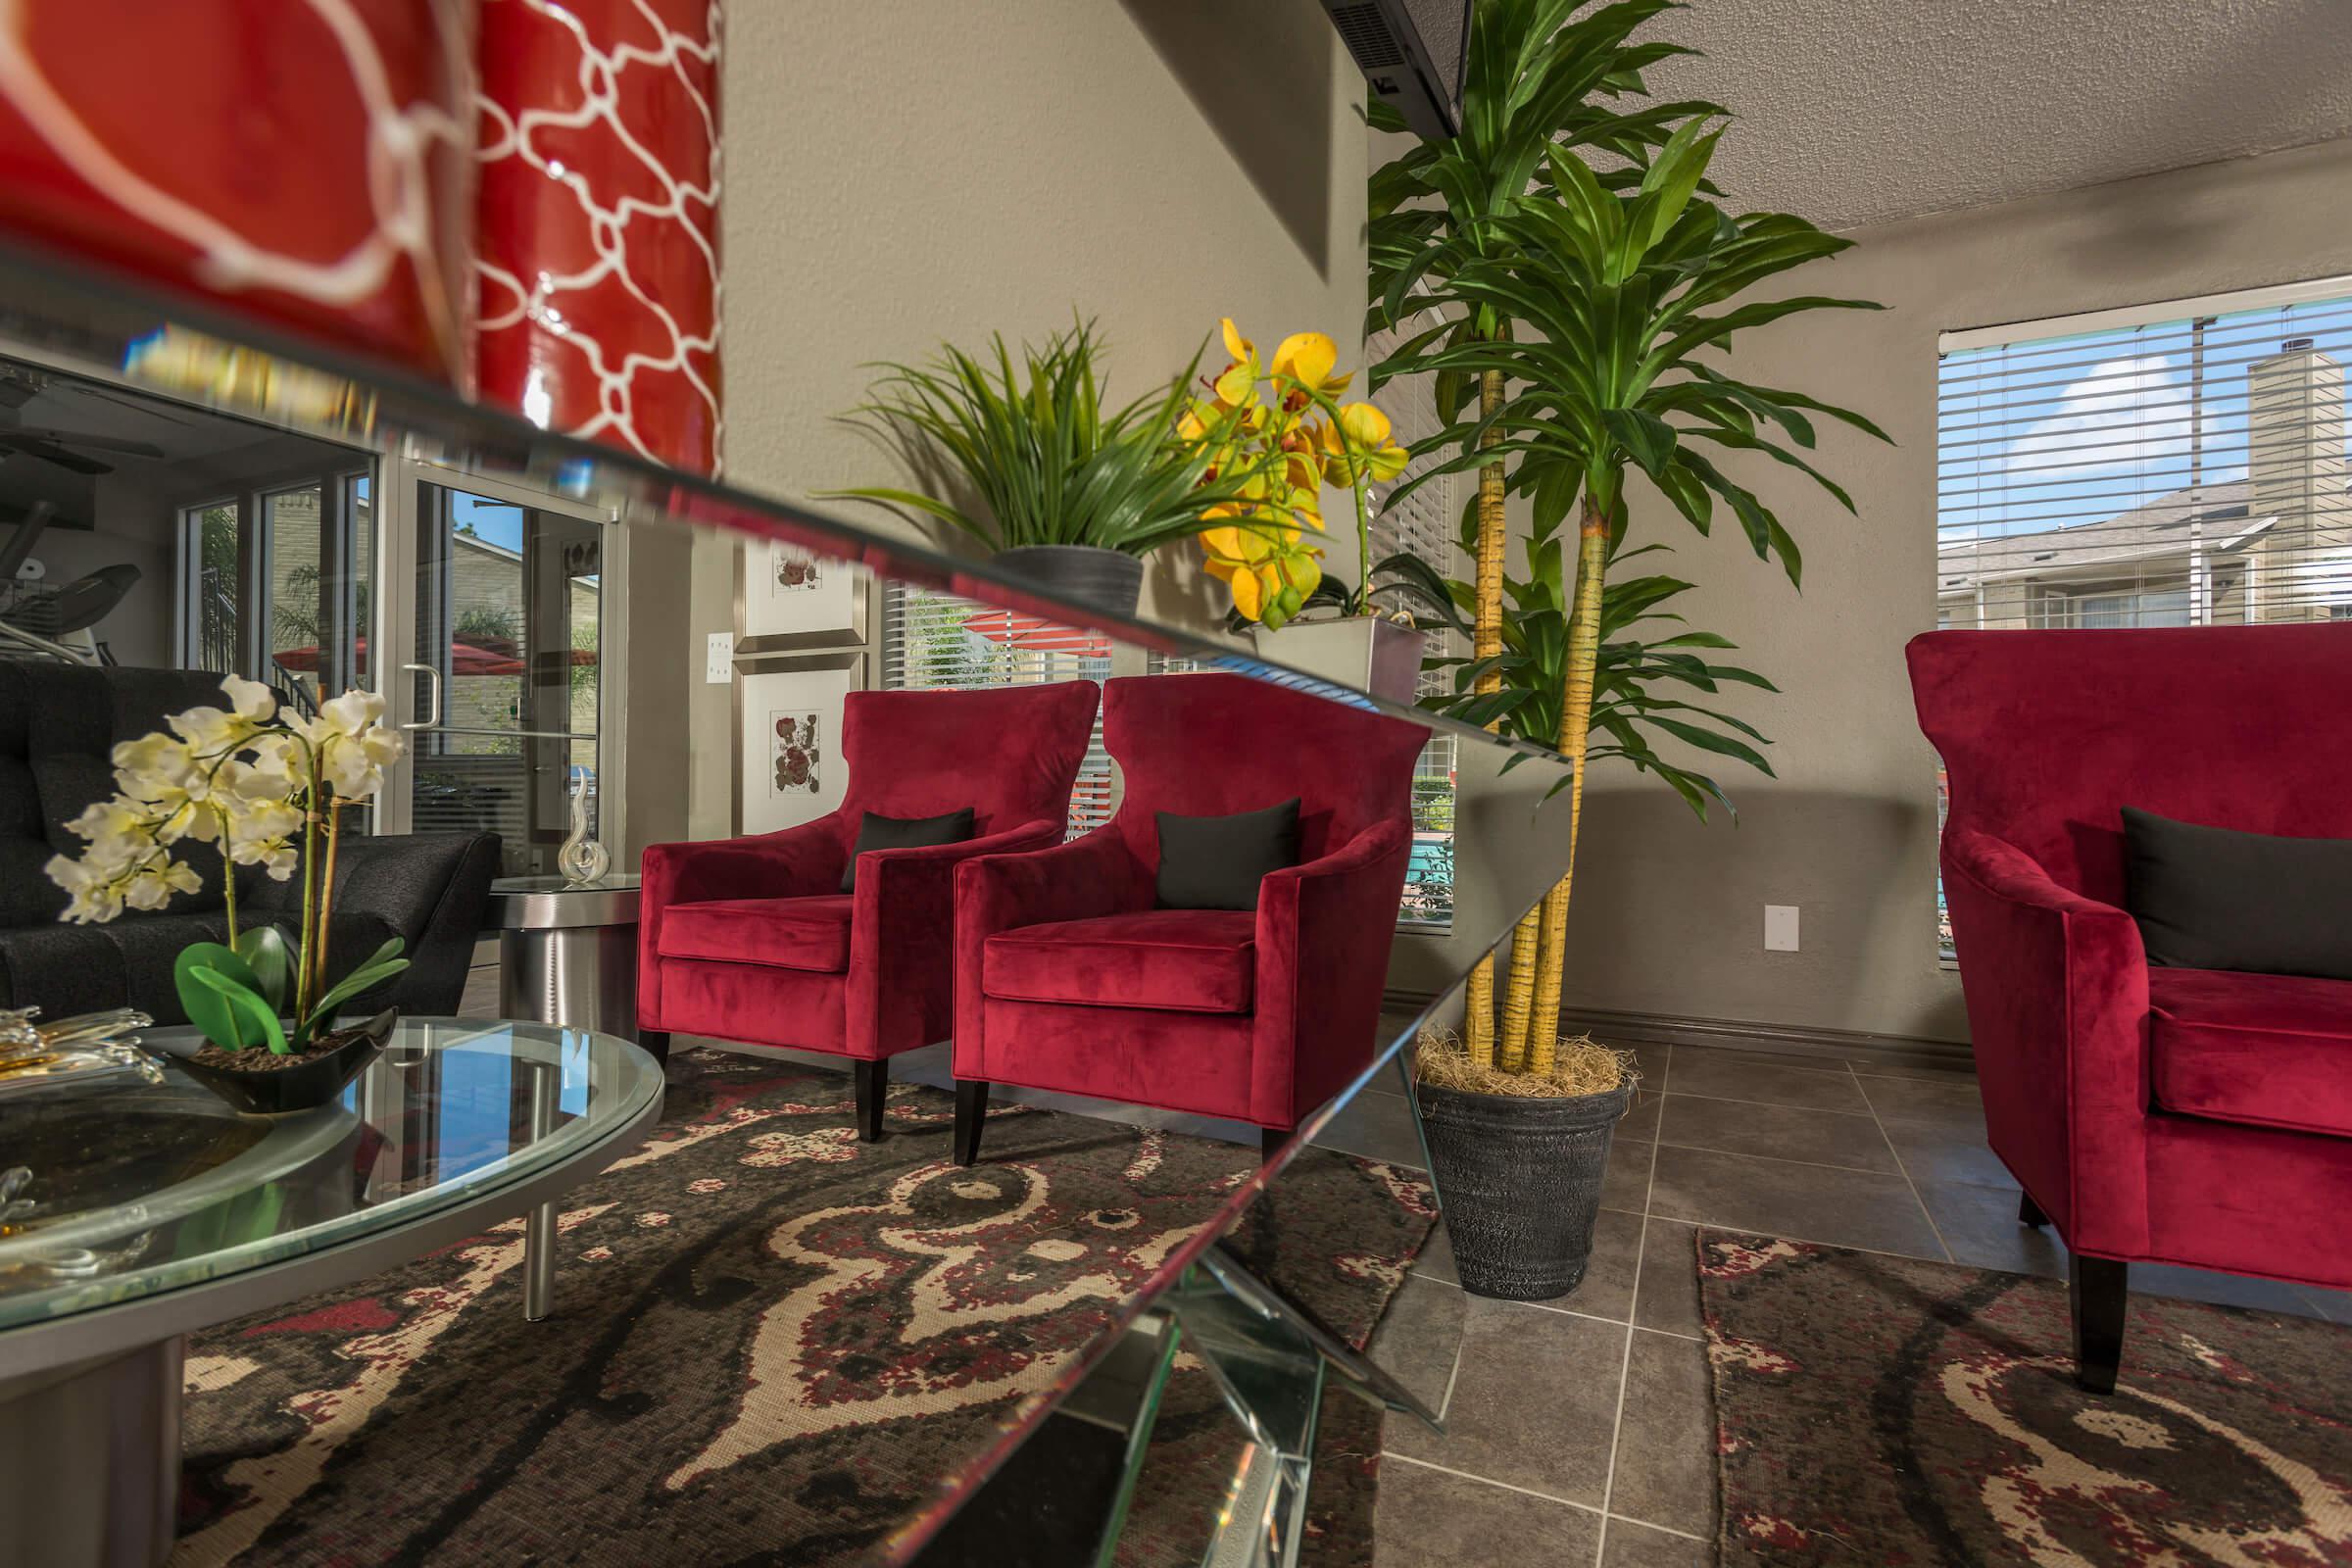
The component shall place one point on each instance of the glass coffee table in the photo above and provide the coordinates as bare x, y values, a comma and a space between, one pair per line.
152, 1211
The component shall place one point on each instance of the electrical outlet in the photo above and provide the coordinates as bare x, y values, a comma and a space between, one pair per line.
1780, 928
718, 664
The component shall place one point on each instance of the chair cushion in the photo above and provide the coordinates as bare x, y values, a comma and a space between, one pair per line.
812, 933
2272, 1051
1188, 960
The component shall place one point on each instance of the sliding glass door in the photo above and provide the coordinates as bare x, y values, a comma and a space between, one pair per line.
505, 623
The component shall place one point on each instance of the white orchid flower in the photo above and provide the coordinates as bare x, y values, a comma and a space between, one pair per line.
258, 819
95, 899
251, 699
353, 745
122, 833
276, 855
155, 768
151, 885
348, 714
278, 768
210, 732
355, 763
110, 819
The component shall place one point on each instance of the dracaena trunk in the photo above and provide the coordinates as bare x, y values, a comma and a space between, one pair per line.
1493, 540
1576, 729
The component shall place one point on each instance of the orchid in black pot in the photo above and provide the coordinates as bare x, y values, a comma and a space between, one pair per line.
267, 788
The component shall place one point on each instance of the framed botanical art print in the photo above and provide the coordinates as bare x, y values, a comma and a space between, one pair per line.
787, 597
788, 766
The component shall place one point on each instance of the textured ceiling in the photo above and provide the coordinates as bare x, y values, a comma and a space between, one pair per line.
1854, 112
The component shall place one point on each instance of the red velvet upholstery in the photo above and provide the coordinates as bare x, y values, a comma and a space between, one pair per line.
751, 939
806, 933
1190, 960
2169, 1115
1068, 978
2271, 1051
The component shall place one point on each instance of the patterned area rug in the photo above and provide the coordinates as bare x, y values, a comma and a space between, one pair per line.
1882, 1410
771, 1343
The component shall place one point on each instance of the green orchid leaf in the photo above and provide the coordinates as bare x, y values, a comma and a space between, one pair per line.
205, 1006
266, 953
352, 985
257, 1018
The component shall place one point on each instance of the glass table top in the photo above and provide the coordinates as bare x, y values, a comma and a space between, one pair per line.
134, 1192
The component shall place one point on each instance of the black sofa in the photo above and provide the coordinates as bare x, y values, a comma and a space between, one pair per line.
58, 725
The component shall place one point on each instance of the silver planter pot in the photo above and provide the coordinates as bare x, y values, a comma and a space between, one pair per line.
1520, 1179
1102, 580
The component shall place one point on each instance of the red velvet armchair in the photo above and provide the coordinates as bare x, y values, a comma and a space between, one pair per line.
752, 939
2187, 1116
1068, 978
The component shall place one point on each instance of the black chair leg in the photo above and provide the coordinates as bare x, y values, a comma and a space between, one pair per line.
873, 1088
1271, 1139
971, 1114
2029, 1212
655, 1043
2100, 1293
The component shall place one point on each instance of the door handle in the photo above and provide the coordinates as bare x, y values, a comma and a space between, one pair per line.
432, 715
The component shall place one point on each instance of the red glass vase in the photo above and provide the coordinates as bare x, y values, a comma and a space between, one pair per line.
597, 248
306, 164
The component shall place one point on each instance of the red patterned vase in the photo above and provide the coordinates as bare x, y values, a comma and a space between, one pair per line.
597, 255
304, 161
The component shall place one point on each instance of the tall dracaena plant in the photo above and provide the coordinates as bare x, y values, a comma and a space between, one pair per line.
1533, 82
1601, 292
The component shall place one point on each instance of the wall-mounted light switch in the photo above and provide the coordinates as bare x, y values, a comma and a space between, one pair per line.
718, 665
1780, 928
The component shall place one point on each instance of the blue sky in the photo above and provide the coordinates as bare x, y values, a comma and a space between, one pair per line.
2095, 424
496, 521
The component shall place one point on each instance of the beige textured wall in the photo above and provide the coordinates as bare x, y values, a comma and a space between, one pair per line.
898, 174
1669, 914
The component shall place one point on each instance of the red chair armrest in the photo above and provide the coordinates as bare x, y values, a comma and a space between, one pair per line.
1325, 930
794, 864
2057, 989
903, 931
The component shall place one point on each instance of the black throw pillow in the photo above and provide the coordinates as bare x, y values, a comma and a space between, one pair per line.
1215, 863
905, 833
2212, 898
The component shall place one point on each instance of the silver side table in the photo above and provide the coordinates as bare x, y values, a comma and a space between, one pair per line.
568, 950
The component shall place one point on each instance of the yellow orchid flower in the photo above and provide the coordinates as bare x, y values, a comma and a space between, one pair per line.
1277, 422
1308, 359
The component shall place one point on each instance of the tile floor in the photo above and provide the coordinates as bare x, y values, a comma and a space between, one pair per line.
1581, 1431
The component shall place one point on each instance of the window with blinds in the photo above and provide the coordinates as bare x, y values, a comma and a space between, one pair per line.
2179, 464
933, 641
2182, 465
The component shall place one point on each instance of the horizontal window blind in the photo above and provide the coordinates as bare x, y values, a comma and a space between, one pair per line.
2184, 472
933, 641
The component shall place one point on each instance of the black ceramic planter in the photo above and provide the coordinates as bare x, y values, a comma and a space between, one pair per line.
1103, 579
277, 1091
1520, 1178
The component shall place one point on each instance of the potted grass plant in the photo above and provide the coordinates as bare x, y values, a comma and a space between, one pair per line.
265, 789
1023, 458
1562, 272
